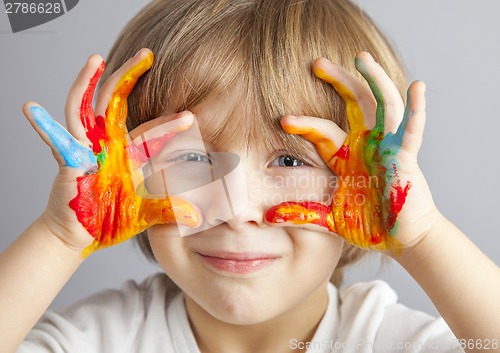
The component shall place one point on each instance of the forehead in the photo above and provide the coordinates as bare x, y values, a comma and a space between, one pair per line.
222, 120
216, 111
232, 120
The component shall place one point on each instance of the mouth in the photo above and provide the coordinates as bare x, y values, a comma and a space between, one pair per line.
238, 263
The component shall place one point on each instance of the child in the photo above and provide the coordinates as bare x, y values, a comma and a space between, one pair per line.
255, 279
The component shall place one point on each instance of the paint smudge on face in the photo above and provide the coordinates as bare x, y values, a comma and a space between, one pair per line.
366, 215
107, 204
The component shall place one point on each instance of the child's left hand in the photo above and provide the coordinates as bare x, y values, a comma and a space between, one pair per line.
382, 201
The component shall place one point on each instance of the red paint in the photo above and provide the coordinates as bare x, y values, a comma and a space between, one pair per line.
154, 146
343, 152
398, 199
364, 215
299, 213
148, 149
107, 204
87, 204
361, 213
94, 127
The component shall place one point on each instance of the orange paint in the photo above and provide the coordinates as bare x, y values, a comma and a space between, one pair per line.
107, 204
365, 215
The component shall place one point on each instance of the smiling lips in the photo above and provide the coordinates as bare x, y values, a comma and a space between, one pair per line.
239, 263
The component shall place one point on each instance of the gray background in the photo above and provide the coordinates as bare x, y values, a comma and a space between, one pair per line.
451, 45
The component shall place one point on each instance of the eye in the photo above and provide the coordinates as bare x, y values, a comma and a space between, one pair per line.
287, 161
191, 157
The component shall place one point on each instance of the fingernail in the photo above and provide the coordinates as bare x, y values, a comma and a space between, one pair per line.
185, 113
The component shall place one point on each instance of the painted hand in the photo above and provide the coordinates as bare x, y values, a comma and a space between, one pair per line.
382, 201
97, 154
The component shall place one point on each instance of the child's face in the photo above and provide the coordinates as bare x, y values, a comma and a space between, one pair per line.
242, 270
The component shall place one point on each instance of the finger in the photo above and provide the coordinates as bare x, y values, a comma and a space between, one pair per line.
360, 104
159, 131
411, 129
390, 106
170, 210
326, 136
172, 123
113, 94
80, 117
301, 213
67, 150
320, 218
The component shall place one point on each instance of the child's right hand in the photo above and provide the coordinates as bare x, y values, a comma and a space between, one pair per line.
96, 176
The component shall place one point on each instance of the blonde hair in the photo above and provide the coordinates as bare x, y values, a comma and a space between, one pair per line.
264, 49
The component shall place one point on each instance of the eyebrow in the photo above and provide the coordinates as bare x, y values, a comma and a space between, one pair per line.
297, 148
270, 142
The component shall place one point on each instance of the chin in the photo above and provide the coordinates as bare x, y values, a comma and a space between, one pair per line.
237, 304
236, 312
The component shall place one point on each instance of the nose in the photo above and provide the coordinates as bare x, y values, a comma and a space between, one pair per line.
240, 204
251, 214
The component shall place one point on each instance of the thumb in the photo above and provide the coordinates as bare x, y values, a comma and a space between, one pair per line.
66, 149
171, 209
301, 213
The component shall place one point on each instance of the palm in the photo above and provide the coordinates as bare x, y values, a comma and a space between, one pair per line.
370, 194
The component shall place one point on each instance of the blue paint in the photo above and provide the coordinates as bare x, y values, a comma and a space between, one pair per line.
75, 155
397, 138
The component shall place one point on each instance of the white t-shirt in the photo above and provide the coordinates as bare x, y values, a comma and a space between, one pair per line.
364, 317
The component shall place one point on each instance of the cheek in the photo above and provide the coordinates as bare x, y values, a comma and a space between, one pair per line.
310, 184
169, 250
316, 254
